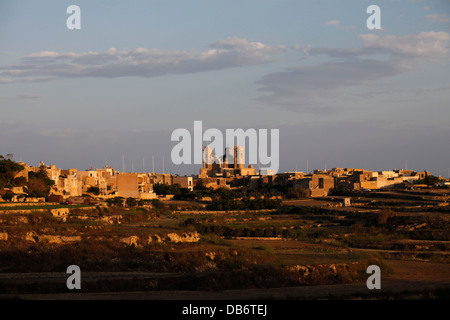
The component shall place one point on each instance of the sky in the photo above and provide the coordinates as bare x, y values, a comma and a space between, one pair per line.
340, 94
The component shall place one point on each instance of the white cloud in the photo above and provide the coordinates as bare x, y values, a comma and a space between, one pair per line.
337, 24
141, 62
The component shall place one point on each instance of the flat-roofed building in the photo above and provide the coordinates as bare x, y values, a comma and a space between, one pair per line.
127, 185
184, 182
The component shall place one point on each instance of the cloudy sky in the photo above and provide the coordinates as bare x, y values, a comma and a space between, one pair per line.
340, 94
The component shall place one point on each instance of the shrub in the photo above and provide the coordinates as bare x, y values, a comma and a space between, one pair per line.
131, 202
385, 215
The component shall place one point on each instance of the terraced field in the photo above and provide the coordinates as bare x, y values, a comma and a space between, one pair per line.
174, 252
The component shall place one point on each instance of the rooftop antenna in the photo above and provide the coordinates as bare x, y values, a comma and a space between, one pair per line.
259, 164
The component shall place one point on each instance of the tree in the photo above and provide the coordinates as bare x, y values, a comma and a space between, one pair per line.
39, 184
165, 189
200, 185
297, 193
157, 204
429, 179
131, 202
19, 182
8, 195
118, 201
8, 170
94, 190
385, 215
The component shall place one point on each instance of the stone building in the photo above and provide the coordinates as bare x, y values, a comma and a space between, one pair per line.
319, 184
184, 182
231, 164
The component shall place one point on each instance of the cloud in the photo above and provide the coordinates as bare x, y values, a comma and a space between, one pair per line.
26, 79
30, 96
335, 23
426, 45
440, 18
318, 88
60, 133
140, 62
314, 89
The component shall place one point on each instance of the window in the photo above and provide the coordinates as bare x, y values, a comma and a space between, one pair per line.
320, 183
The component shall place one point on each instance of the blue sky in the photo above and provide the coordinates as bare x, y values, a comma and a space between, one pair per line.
340, 94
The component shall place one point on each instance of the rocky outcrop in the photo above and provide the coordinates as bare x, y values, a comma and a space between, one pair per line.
53, 239
185, 237
132, 241
170, 237
4, 236
31, 236
154, 238
113, 219
61, 212
321, 270
56, 239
